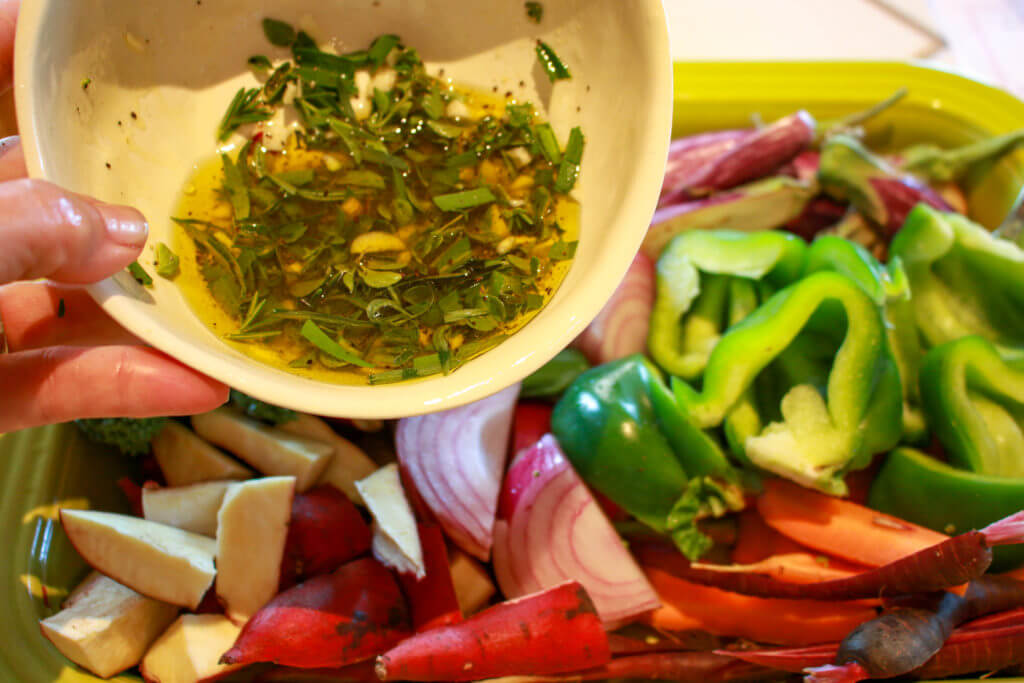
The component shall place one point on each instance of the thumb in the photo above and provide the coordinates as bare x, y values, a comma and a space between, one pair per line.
49, 232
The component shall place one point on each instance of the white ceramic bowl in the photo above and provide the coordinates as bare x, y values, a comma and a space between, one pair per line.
162, 71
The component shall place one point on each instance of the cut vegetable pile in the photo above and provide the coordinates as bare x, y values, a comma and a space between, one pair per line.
792, 443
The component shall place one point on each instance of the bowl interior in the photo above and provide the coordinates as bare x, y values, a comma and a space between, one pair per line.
160, 75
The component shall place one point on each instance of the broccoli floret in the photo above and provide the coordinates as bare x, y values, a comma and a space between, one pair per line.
258, 410
130, 436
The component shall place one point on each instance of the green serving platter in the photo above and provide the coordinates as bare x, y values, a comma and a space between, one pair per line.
46, 468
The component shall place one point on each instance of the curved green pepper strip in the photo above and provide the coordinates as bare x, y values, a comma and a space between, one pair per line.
694, 293
964, 280
918, 488
975, 403
889, 288
555, 376
816, 439
623, 432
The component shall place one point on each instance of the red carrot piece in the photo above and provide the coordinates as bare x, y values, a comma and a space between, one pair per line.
1011, 617
432, 599
329, 621
831, 673
620, 644
362, 672
325, 532
840, 528
551, 632
974, 651
792, 659
783, 622
948, 564
682, 667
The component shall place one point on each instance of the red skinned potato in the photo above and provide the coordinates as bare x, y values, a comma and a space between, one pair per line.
329, 621
551, 632
432, 599
326, 531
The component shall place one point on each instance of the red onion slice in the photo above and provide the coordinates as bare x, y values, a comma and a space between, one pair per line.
455, 459
620, 329
556, 532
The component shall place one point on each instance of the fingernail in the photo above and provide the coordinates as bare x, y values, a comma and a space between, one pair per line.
125, 225
8, 143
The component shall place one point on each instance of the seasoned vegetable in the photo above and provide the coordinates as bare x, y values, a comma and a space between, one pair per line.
258, 410
404, 228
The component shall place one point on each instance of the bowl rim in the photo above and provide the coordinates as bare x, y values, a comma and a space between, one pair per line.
415, 396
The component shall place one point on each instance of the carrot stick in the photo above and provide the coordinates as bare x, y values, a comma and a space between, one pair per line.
791, 567
330, 621
551, 632
840, 528
903, 639
943, 566
792, 659
974, 651
756, 541
783, 622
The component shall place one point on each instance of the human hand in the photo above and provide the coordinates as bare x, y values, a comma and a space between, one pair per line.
65, 358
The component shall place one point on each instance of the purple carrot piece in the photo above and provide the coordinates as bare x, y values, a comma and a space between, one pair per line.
905, 638
946, 565
688, 156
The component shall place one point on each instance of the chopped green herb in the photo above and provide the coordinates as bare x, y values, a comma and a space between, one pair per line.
319, 339
569, 168
562, 251
467, 199
86, 82
553, 66
166, 261
244, 108
388, 238
278, 32
140, 274
535, 11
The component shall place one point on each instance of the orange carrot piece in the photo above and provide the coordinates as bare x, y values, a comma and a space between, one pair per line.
793, 567
756, 541
766, 620
839, 527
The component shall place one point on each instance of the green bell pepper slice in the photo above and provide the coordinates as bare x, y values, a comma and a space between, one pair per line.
620, 427
975, 403
702, 277
823, 432
921, 489
964, 280
555, 376
889, 287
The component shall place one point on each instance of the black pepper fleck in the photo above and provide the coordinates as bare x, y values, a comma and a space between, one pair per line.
108, 164
134, 116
